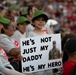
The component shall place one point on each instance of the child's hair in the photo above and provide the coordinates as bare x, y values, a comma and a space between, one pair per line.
64, 40
66, 37
70, 46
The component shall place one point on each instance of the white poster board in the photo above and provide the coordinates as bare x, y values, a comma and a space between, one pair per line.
35, 51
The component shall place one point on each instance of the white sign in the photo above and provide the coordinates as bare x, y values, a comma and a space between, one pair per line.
36, 50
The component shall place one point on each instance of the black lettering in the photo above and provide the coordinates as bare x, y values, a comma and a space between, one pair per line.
59, 63
41, 66
44, 47
32, 41
46, 39
24, 59
49, 65
24, 43
28, 59
54, 64
27, 69
24, 51
32, 58
50, 39
40, 56
32, 68
43, 40
30, 50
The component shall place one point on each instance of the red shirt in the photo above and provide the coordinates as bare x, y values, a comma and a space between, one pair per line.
67, 67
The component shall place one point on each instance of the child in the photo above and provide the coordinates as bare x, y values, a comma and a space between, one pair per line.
68, 65
39, 20
31, 9
22, 22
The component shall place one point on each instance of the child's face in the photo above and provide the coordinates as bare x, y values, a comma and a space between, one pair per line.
39, 23
22, 27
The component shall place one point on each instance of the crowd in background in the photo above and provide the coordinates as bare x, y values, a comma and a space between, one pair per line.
64, 11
